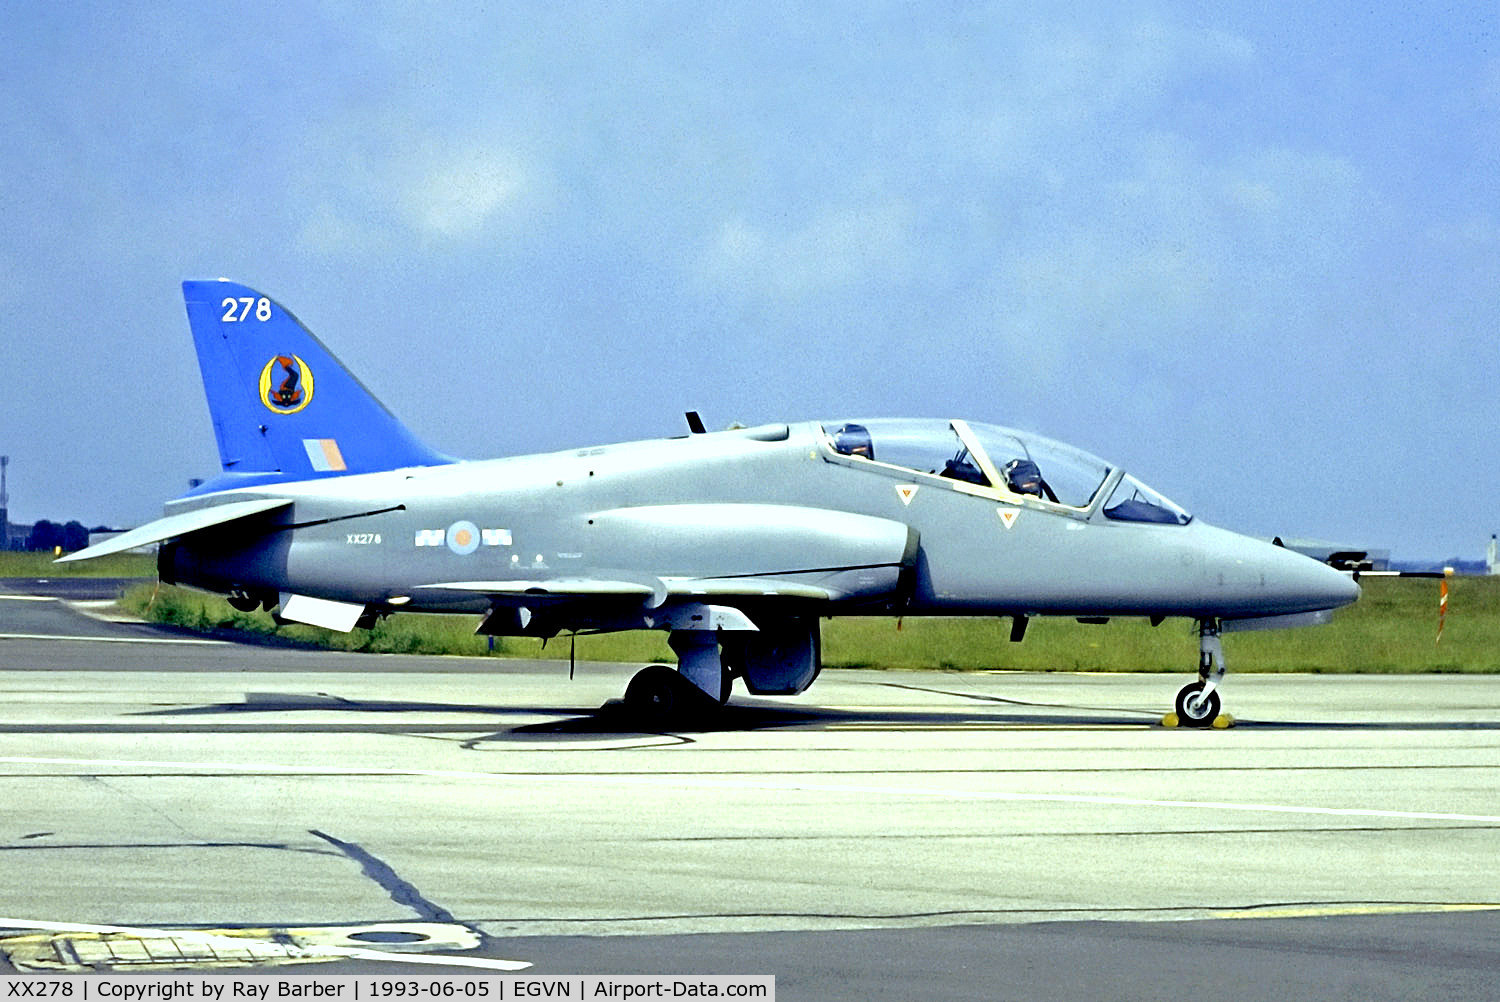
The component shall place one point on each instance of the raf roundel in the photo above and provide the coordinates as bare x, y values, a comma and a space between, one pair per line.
463, 538
286, 384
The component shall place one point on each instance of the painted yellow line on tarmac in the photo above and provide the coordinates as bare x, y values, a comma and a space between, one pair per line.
1329, 911
986, 726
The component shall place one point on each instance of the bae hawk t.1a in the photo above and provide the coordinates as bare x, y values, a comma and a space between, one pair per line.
735, 542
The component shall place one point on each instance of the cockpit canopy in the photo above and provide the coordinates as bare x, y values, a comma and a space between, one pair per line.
1010, 464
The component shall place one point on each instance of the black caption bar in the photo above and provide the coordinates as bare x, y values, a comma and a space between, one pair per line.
406, 988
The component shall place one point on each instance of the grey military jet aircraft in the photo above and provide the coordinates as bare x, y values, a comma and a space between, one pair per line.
734, 542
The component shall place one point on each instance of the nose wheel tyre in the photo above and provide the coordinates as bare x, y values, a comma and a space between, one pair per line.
1194, 709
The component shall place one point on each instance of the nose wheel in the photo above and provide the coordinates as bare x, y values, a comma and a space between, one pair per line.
1198, 703
1195, 708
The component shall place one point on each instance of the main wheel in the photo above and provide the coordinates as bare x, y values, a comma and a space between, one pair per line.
655, 694
1195, 711
244, 601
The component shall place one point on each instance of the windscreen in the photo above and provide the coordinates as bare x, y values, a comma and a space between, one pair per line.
1133, 501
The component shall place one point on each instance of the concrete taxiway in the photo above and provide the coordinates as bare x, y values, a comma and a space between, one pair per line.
885, 833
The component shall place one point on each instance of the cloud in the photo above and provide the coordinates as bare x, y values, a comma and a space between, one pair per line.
1179, 255
458, 195
1026, 141
379, 182
1071, 74
834, 250
330, 229
1059, 84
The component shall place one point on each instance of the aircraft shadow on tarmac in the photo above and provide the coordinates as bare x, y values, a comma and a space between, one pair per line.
614, 718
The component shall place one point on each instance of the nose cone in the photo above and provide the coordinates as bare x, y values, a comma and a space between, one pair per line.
1347, 592
1315, 584
1254, 578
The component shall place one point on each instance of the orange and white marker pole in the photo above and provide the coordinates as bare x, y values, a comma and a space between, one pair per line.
1442, 602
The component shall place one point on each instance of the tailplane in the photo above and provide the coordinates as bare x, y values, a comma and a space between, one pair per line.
283, 407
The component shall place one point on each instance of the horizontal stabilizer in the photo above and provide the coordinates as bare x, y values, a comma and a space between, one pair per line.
177, 525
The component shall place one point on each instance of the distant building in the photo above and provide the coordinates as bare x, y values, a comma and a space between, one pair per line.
1341, 555
1492, 556
12, 536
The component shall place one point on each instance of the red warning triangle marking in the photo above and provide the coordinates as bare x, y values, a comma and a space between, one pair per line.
1008, 516
906, 492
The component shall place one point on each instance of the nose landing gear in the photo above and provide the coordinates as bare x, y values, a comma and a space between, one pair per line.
1198, 703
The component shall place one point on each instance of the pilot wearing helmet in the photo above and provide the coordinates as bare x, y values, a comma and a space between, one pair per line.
853, 440
1023, 477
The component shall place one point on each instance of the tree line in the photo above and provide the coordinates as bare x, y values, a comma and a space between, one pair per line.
48, 536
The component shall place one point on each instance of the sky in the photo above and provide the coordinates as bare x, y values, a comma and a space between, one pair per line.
1249, 252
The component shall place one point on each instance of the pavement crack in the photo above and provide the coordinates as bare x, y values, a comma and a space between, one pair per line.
51, 847
401, 892
146, 804
980, 697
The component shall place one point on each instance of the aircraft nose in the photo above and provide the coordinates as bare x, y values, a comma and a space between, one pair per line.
1309, 584
1250, 577
1337, 587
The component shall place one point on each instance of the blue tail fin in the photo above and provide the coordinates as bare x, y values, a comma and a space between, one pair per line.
283, 407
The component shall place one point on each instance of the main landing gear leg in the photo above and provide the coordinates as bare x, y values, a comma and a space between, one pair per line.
1198, 703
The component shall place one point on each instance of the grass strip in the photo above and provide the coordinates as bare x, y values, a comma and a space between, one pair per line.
20, 564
